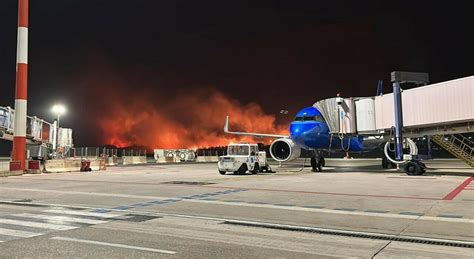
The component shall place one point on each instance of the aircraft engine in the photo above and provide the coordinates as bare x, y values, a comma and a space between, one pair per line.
284, 149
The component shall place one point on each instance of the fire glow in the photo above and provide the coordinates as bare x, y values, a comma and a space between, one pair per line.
188, 120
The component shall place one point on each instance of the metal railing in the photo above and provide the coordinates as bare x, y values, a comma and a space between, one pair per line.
96, 152
463, 143
458, 145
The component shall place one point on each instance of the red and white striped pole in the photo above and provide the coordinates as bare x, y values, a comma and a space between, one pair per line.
19, 134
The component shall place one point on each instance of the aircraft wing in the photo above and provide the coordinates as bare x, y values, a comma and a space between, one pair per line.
258, 135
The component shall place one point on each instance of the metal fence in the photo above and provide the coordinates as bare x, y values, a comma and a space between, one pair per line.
102, 152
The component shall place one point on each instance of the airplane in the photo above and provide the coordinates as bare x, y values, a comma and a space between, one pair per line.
310, 131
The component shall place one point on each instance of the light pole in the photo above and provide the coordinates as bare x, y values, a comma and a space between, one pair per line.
58, 110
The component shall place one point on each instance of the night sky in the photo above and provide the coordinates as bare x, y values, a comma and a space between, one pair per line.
107, 58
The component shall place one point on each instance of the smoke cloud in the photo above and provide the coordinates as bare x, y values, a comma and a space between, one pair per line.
191, 120
130, 111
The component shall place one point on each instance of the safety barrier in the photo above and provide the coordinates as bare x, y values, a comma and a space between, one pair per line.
111, 161
62, 165
98, 165
134, 160
4, 166
34, 167
12, 168
72, 165
168, 160
5, 169
128, 160
207, 159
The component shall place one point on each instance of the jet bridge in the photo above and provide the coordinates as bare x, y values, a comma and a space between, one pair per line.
37, 130
40, 135
441, 109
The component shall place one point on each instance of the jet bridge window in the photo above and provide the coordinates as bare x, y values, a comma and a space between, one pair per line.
3, 118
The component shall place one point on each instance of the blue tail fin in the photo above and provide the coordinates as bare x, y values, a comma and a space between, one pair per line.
379, 88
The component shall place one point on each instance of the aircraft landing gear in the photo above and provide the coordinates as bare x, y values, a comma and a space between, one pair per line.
317, 162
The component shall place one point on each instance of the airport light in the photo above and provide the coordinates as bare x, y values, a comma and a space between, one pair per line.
59, 110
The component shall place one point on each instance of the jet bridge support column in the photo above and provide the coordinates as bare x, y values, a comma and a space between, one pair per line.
397, 78
397, 101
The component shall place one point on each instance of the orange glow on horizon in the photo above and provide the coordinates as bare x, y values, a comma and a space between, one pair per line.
193, 120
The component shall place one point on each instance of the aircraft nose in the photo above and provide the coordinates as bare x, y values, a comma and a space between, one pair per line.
303, 129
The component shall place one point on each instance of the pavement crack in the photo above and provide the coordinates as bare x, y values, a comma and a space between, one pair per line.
380, 250
417, 219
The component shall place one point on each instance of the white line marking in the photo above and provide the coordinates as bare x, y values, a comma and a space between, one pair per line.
61, 219
114, 245
35, 224
18, 233
343, 212
82, 213
358, 213
87, 193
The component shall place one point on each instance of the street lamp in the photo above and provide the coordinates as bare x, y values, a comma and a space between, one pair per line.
58, 110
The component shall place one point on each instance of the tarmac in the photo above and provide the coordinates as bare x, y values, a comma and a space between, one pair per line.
351, 209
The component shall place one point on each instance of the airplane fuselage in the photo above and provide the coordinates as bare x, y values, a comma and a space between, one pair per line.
309, 130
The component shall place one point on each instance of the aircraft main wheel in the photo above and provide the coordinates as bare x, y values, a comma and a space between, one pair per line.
222, 172
256, 169
322, 161
316, 166
319, 168
313, 163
